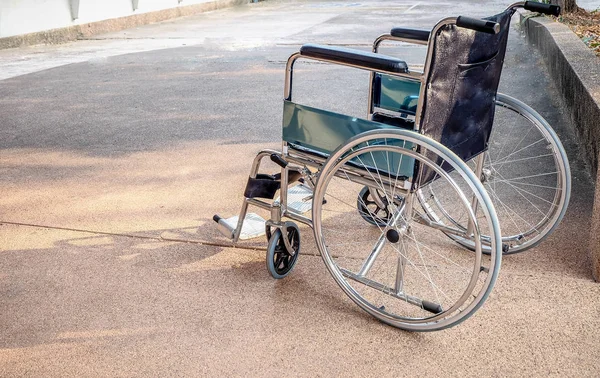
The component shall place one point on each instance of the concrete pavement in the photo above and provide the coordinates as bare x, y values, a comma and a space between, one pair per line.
112, 168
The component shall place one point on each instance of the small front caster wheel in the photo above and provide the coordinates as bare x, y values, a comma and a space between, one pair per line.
280, 260
370, 210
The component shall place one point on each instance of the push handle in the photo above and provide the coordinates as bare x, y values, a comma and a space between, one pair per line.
476, 24
534, 6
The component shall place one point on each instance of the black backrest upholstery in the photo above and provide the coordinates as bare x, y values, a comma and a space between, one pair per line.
459, 102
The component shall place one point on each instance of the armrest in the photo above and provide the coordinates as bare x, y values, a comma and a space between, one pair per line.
414, 34
352, 57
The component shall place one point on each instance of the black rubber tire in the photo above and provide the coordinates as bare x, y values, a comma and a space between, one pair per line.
369, 210
280, 261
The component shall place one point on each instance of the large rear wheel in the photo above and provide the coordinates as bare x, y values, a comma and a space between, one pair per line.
526, 173
403, 269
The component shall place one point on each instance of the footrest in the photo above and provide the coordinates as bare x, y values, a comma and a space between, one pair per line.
299, 199
253, 226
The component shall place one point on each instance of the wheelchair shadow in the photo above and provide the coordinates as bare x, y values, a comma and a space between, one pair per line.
98, 288
308, 286
208, 233
182, 245
102, 289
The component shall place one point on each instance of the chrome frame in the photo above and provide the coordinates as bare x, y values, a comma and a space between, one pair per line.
303, 159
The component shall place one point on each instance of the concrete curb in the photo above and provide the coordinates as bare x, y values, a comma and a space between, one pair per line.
576, 73
72, 33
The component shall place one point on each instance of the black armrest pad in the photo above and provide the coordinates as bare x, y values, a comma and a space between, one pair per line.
360, 58
416, 34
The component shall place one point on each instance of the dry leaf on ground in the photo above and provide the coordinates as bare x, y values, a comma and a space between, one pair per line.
586, 25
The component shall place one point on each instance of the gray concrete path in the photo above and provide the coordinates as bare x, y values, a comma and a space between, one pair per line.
112, 166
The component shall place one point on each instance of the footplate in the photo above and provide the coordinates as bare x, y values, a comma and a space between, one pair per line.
299, 199
253, 226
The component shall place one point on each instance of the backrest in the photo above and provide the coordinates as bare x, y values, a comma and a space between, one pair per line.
461, 86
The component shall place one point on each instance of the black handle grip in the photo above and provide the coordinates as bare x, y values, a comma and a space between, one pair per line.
476, 24
432, 307
278, 160
534, 6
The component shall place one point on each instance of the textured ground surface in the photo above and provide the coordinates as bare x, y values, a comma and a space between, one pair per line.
113, 165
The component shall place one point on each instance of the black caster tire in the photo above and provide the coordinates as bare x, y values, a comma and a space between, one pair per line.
369, 210
280, 261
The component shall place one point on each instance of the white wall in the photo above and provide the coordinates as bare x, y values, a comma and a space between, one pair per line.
28, 16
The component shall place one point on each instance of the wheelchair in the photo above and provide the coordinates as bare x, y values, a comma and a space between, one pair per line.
405, 204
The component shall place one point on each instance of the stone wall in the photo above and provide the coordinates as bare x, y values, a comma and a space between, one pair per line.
576, 72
